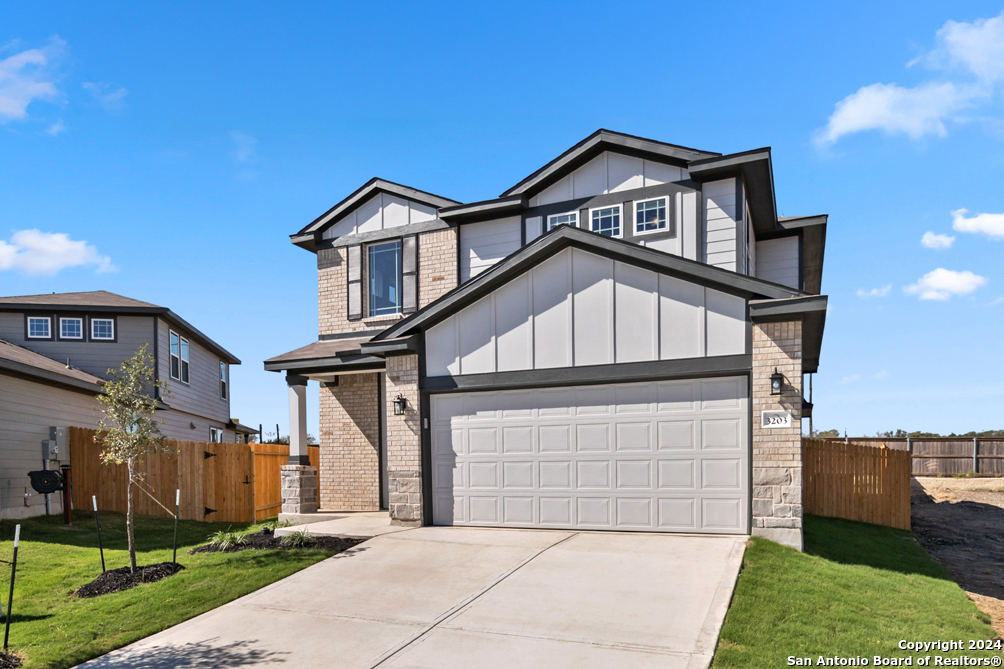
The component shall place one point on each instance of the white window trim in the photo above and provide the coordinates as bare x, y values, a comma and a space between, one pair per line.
180, 358
102, 320
620, 211
217, 431
47, 319
400, 307
224, 381
71, 318
665, 228
547, 223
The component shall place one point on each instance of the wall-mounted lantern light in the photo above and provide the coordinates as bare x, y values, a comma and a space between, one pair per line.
399, 404
776, 382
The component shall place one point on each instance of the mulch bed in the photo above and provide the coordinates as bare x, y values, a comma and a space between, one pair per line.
9, 661
116, 580
266, 540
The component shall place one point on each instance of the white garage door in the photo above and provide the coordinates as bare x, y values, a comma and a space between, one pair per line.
667, 456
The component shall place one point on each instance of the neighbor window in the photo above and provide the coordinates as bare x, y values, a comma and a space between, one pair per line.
571, 218
39, 328
102, 329
606, 221
215, 435
650, 215
179, 357
71, 328
223, 380
385, 279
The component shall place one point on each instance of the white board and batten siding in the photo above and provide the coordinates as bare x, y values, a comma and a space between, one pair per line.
486, 243
609, 172
777, 261
577, 309
380, 212
662, 456
720, 225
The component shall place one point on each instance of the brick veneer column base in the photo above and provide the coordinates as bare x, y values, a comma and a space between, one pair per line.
777, 452
299, 489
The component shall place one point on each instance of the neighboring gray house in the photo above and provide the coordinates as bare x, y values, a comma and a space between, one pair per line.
618, 342
55, 352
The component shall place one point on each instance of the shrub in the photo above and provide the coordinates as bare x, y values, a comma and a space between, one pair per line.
297, 539
226, 539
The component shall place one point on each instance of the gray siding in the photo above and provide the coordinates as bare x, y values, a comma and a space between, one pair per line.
720, 226
201, 396
777, 261
93, 357
27, 410
178, 425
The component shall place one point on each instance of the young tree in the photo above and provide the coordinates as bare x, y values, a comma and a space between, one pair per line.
129, 427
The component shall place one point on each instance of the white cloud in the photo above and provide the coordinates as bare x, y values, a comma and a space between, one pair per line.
245, 147
974, 50
977, 47
942, 284
894, 109
109, 97
991, 225
934, 241
36, 252
28, 76
851, 379
874, 292
57, 128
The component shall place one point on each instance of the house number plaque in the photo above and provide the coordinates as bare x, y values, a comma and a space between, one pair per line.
772, 419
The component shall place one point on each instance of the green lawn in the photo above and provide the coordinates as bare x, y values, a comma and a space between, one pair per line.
856, 591
52, 628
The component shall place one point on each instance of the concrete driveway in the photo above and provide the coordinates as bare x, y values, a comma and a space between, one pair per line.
441, 597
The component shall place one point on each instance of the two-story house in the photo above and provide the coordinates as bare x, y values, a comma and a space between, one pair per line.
55, 353
618, 341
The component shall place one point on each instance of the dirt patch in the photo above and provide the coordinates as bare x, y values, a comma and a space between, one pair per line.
116, 580
265, 540
960, 522
9, 660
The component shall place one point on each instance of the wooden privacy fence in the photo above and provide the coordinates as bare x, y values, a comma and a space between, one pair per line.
237, 483
944, 455
866, 483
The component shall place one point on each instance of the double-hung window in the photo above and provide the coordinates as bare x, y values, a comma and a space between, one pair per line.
571, 218
215, 435
384, 272
223, 380
102, 329
39, 327
606, 220
71, 328
179, 357
651, 215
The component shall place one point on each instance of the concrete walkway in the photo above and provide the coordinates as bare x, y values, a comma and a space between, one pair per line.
440, 597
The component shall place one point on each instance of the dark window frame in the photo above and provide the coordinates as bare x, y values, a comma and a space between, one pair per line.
184, 362
368, 277
224, 380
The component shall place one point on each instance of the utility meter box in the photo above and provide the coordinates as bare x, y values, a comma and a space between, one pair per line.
56, 446
50, 451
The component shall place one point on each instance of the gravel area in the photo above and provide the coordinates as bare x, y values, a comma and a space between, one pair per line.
960, 522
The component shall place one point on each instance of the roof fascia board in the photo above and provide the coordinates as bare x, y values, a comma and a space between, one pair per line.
595, 144
485, 209
381, 348
328, 364
385, 233
563, 237
757, 170
763, 311
48, 378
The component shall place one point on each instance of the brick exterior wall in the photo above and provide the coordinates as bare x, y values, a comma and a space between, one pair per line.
404, 443
777, 452
437, 264
333, 296
350, 444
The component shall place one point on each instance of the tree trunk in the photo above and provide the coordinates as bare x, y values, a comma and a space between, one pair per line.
129, 523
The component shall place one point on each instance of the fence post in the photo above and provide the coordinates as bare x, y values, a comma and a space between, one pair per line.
976, 464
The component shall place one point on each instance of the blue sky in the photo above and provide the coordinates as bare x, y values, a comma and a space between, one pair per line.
167, 152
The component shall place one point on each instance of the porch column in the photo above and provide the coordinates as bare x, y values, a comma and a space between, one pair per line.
299, 479
298, 454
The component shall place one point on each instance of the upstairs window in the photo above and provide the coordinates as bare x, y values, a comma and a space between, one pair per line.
651, 215
215, 435
606, 221
223, 380
571, 218
179, 357
102, 329
71, 328
39, 327
384, 269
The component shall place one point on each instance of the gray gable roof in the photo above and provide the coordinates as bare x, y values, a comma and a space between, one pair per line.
598, 142
565, 236
20, 361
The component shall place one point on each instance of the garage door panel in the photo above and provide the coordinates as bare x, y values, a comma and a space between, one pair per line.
677, 435
667, 456
633, 436
676, 475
